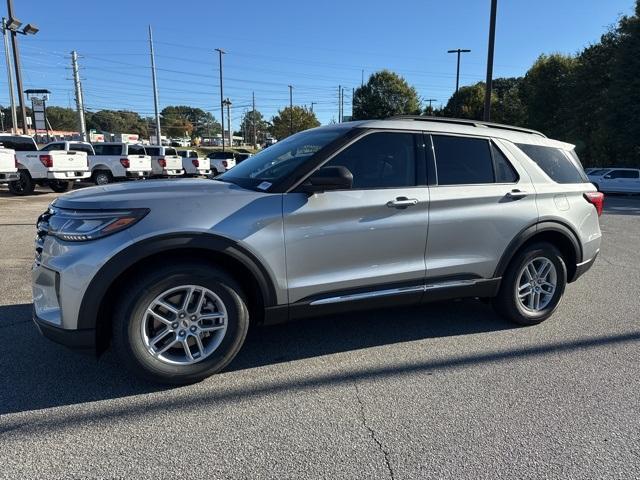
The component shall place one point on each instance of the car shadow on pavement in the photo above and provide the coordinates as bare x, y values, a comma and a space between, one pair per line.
36, 373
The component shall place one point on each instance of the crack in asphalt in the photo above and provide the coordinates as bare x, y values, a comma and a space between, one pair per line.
372, 434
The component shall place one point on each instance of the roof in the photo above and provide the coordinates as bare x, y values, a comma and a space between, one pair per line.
463, 127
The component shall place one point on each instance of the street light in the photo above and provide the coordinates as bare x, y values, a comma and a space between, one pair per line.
30, 29
458, 51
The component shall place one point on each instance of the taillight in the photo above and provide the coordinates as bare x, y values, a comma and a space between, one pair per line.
47, 160
196, 162
162, 162
224, 163
596, 199
124, 162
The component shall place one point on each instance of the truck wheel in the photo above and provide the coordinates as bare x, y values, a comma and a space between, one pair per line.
102, 177
533, 285
24, 185
180, 323
60, 186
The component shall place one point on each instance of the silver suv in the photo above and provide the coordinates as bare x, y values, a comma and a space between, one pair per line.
363, 214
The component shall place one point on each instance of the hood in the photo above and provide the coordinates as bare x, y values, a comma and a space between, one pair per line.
151, 194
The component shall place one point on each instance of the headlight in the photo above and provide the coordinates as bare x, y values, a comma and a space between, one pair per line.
83, 225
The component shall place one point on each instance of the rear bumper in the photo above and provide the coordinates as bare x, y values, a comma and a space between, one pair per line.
84, 339
138, 173
71, 175
9, 177
582, 268
204, 171
172, 173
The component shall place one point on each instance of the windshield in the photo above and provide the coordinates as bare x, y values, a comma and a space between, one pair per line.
277, 162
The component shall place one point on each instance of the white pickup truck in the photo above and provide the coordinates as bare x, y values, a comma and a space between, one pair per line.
165, 161
57, 169
193, 164
117, 161
8, 165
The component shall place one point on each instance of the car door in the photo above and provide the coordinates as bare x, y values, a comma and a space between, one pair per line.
482, 198
370, 238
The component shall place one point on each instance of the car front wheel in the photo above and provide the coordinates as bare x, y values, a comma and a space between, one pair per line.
180, 324
533, 285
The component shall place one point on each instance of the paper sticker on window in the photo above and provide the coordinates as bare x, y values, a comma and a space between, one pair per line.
264, 185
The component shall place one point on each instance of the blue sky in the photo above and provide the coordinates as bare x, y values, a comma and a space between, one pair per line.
313, 45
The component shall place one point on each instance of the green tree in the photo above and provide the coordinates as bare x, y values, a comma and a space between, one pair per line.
467, 102
62, 118
303, 119
202, 123
249, 120
384, 95
118, 121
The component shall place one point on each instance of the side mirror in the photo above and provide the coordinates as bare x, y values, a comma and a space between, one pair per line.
328, 178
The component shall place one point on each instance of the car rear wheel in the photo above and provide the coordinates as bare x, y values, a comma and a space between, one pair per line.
24, 185
180, 324
102, 177
60, 186
533, 285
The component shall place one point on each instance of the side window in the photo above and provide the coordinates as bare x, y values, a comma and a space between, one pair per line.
136, 150
81, 147
504, 171
102, 149
380, 160
462, 161
170, 151
553, 161
623, 174
53, 146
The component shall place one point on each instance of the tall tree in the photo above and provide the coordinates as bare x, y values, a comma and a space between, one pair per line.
303, 119
250, 119
467, 102
62, 118
118, 121
384, 95
203, 123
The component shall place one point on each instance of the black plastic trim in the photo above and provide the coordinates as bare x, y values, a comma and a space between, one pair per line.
84, 339
137, 252
583, 268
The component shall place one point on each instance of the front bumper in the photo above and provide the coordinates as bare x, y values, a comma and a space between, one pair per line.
71, 175
84, 339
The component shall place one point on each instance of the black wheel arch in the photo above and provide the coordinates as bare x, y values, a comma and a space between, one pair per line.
96, 307
554, 231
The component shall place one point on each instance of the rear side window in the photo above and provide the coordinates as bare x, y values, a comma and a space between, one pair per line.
19, 144
462, 161
623, 174
561, 168
107, 149
154, 151
170, 151
136, 150
505, 173
53, 146
81, 147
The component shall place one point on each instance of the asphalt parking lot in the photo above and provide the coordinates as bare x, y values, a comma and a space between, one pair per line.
444, 391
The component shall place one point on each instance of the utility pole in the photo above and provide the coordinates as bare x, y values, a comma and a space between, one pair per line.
155, 88
312, 104
290, 109
458, 51
16, 61
12, 98
253, 115
339, 103
353, 96
342, 103
227, 103
431, 100
220, 53
79, 98
492, 39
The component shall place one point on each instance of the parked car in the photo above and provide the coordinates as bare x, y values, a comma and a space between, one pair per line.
366, 214
118, 161
616, 180
8, 165
165, 161
221, 161
193, 164
56, 169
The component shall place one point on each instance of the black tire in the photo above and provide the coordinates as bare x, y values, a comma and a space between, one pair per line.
507, 303
102, 177
60, 186
127, 322
24, 185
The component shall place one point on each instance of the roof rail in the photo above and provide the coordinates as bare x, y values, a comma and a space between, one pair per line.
469, 122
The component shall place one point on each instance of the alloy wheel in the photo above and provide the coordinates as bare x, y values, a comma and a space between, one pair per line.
536, 285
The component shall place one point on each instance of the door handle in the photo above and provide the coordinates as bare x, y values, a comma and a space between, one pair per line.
516, 194
402, 202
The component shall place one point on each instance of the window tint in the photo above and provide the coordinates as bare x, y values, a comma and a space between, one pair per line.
623, 174
553, 161
380, 160
598, 171
137, 150
462, 161
19, 144
53, 146
81, 147
504, 171
170, 151
102, 149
